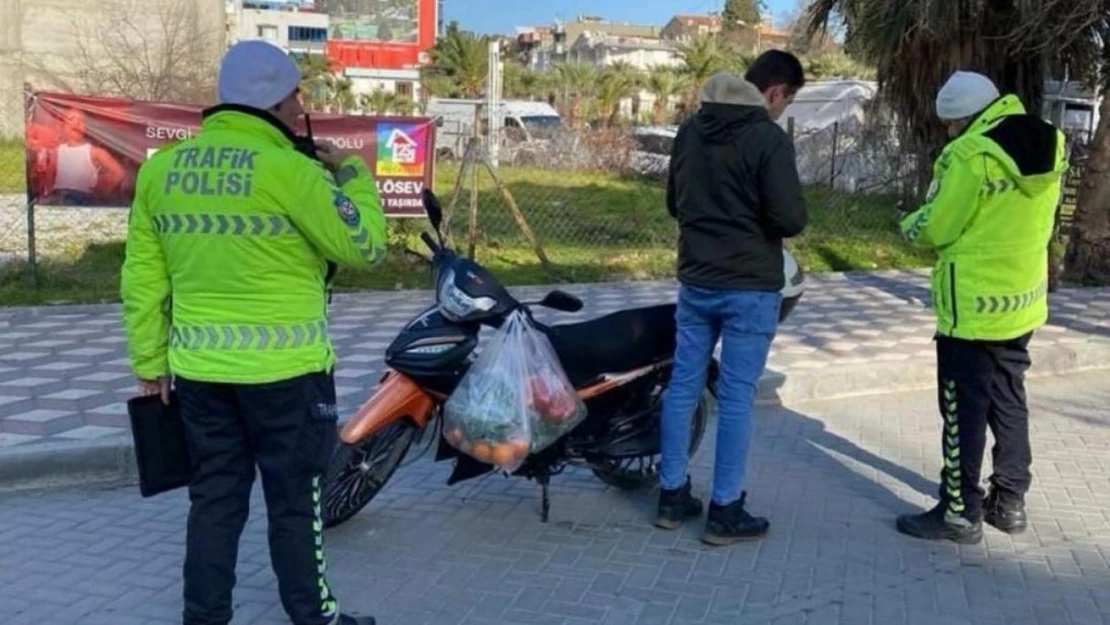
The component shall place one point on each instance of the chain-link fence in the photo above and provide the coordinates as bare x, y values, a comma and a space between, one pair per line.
595, 201
13, 226
576, 206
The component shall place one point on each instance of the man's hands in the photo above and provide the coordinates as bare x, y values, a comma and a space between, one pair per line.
332, 156
161, 387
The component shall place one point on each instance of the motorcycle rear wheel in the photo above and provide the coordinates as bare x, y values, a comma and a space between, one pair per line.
637, 473
357, 473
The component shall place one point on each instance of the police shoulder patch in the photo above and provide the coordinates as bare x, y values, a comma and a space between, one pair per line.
347, 210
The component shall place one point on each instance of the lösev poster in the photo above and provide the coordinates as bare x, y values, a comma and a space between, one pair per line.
86, 151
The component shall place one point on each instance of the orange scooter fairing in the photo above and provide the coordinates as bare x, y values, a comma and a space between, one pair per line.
397, 398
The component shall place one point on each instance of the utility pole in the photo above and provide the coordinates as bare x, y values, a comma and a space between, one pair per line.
493, 101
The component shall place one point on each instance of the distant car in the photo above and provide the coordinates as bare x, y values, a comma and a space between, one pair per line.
534, 127
651, 155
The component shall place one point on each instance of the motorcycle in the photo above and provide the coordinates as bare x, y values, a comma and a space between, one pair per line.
619, 364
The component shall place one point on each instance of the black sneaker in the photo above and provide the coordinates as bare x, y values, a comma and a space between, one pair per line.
1005, 512
937, 525
732, 524
346, 619
676, 506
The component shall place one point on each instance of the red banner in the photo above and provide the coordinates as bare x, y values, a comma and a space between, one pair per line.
86, 151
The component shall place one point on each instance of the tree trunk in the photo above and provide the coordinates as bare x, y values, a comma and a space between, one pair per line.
1088, 258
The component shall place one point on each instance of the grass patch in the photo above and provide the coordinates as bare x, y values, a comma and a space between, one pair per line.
12, 167
593, 227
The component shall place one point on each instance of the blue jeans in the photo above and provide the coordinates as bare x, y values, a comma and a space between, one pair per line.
746, 323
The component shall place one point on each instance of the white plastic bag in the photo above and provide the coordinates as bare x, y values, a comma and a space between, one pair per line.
515, 399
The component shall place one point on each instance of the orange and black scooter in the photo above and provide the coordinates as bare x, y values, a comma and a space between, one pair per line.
619, 363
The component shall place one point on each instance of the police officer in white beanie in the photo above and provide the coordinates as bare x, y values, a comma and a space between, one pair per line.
965, 95
238, 319
989, 215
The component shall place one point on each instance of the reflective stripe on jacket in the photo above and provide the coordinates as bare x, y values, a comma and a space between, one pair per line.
989, 215
228, 244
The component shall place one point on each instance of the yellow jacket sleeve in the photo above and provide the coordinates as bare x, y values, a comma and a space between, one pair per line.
145, 290
952, 202
341, 215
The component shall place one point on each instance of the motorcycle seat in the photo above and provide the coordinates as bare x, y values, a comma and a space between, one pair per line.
621, 341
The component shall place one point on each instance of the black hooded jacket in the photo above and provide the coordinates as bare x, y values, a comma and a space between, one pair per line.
733, 187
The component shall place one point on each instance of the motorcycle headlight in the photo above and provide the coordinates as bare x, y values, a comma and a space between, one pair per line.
457, 305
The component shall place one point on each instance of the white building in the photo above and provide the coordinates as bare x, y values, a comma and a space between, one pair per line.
291, 26
639, 52
403, 82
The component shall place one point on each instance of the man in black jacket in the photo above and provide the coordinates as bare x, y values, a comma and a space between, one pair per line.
734, 189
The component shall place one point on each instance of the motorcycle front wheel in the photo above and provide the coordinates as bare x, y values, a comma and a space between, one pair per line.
357, 473
641, 472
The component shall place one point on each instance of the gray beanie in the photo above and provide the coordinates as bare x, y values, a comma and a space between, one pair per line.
964, 95
257, 74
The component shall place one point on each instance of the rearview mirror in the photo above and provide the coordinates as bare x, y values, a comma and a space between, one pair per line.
562, 301
433, 208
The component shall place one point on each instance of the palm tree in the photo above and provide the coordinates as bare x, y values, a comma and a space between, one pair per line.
380, 102
617, 82
518, 81
737, 61
576, 81
836, 65
549, 86
916, 44
1088, 255
436, 84
462, 58
664, 83
341, 97
316, 79
702, 58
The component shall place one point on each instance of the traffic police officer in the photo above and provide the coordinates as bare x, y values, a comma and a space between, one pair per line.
989, 215
229, 240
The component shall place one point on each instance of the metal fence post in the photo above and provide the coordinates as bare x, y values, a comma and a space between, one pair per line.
32, 255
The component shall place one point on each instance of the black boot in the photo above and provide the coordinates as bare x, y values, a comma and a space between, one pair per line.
732, 524
676, 506
346, 619
936, 525
1005, 511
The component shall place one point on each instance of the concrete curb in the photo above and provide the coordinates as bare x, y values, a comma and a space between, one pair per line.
57, 465
895, 377
815, 281
41, 466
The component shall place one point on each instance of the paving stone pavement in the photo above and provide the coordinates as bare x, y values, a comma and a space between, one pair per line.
64, 374
831, 477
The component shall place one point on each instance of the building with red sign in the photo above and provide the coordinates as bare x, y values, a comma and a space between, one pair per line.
381, 44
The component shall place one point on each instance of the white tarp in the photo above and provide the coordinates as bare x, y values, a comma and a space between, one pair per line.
835, 145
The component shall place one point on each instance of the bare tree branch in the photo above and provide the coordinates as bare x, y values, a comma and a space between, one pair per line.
158, 50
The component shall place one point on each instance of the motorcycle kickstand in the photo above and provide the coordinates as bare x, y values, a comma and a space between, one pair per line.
545, 480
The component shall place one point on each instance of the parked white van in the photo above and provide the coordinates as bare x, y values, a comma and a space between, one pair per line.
528, 125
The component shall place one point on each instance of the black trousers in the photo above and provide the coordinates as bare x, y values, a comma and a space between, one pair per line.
982, 384
287, 429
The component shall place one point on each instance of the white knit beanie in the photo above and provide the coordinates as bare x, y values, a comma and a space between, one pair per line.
257, 74
964, 95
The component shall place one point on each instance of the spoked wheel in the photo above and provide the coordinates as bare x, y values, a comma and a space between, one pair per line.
643, 471
357, 473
